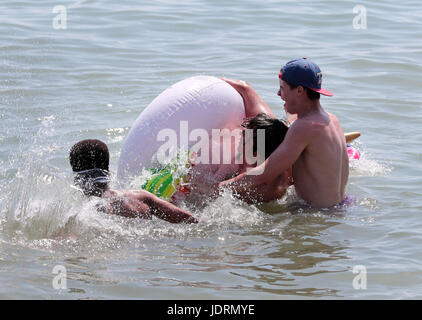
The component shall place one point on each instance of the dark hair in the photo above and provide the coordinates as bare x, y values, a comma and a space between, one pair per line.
89, 154
90, 160
275, 131
311, 94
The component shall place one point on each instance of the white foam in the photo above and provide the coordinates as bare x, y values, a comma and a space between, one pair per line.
367, 166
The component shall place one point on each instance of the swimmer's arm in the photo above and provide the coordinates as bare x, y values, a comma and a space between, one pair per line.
253, 103
167, 211
279, 161
226, 171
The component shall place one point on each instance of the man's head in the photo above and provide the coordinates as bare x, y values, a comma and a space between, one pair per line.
90, 160
275, 131
300, 82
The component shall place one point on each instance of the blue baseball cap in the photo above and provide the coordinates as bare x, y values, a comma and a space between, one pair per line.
303, 72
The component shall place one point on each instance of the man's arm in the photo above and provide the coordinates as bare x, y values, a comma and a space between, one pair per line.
167, 211
279, 161
252, 101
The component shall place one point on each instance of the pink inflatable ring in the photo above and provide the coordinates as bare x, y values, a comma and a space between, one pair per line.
353, 152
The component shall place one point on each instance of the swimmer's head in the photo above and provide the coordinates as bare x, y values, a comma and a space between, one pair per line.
275, 131
90, 160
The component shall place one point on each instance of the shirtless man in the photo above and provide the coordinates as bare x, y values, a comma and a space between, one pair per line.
90, 160
314, 145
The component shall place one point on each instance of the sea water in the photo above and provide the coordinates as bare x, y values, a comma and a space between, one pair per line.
71, 70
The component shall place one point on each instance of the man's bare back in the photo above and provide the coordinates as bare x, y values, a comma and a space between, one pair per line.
320, 173
316, 147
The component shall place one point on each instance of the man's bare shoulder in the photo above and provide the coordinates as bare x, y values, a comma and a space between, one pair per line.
318, 123
300, 129
296, 140
333, 124
307, 131
332, 117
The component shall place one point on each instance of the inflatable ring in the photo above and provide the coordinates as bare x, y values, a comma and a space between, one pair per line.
200, 102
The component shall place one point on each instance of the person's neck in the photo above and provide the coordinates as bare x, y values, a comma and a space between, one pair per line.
309, 108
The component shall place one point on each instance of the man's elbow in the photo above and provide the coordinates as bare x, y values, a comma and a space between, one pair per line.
261, 173
149, 199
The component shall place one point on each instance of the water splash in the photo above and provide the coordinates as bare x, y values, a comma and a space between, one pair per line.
366, 165
41, 209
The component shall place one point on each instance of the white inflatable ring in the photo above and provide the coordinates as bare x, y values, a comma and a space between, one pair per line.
205, 102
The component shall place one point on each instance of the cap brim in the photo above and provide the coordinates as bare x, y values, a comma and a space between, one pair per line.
323, 91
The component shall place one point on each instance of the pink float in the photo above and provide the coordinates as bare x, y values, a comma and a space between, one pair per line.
353, 152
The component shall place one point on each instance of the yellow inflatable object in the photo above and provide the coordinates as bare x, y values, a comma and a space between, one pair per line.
351, 136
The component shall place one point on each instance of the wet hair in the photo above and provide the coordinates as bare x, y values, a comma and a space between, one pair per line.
89, 160
311, 94
275, 131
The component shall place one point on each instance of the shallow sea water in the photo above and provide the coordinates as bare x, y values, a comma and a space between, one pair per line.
93, 78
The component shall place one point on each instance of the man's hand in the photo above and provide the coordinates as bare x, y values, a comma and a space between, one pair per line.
241, 183
167, 211
239, 85
252, 101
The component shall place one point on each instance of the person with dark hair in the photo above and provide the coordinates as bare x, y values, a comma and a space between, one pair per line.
314, 145
89, 160
274, 132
